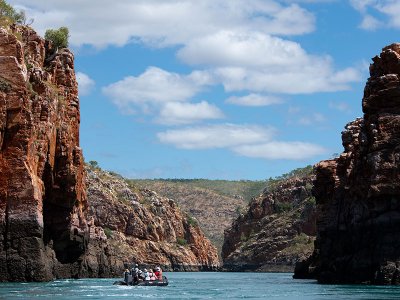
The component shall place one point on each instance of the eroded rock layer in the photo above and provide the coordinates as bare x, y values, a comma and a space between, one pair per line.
358, 193
141, 226
42, 194
277, 231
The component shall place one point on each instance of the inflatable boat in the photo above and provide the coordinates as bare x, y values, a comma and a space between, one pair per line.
163, 282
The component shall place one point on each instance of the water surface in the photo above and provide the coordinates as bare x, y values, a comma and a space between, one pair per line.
199, 286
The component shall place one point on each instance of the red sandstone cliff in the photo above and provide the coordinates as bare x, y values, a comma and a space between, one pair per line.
45, 232
277, 231
42, 194
358, 194
142, 227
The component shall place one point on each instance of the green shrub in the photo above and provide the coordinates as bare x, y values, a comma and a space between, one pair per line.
7, 11
108, 232
181, 241
191, 221
59, 37
311, 201
94, 165
4, 86
281, 207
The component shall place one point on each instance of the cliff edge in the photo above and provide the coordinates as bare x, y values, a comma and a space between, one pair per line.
43, 229
358, 193
49, 226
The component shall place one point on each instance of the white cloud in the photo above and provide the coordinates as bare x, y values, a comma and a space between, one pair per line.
153, 88
85, 83
164, 22
312, 119
362, 5
340, 106
176, 113
254, 100
245, 140
243, 49
237, 39
318, 76
216, 136
370, 23
372, 11
281, 150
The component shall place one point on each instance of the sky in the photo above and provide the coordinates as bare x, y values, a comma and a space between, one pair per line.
229, 89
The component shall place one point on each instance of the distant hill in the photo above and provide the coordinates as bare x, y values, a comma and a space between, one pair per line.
214, 204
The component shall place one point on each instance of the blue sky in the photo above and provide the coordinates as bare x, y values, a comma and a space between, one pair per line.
218, 89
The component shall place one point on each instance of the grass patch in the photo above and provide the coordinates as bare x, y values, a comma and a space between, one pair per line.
108, 232
301, 244
4, 86
281, 207
181, 241
191, 221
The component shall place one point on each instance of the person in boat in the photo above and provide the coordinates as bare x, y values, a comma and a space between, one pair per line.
140, 276
158, 273
134, 269
146, 275
126, 275
151, 274
135, 274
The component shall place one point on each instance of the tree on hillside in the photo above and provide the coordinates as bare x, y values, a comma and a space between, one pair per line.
7, 11
59, 37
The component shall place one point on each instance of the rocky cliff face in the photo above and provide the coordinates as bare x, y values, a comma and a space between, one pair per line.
141, 226
276, 232
45, 231
42, 195
213, 211
358, 194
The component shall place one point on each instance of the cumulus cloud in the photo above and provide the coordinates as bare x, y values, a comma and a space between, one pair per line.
281, 150
254, 100
176, 113
378, 13
164, 22
154, 88
318, 76
245, 140
370, 23
215, 136
239, 49
167, 94
312, 119
237, 40
259, 62
340, 106
85, 83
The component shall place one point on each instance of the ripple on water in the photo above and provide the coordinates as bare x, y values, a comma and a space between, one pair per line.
199, 286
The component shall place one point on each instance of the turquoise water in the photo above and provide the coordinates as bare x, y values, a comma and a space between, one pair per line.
199, 286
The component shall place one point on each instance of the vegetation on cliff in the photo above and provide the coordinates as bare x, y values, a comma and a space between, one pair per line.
144, 227
8, 14
278, 228
213, 204
358, 193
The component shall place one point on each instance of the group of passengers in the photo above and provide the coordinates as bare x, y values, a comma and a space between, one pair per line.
145, 275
